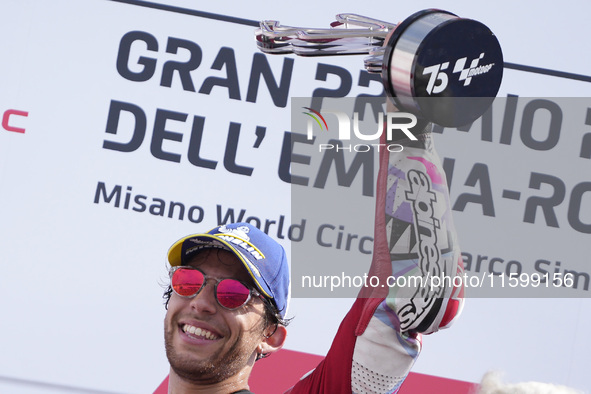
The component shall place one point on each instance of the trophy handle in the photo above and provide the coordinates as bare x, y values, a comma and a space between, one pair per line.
441, 67
349, 34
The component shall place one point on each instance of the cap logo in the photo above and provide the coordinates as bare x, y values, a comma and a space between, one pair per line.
199, 245
247, 246
239, 236
240, 232
202, 242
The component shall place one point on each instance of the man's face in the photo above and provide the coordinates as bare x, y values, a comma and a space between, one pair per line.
205, 342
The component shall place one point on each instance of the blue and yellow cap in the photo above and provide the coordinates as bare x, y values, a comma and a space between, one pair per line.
262, 256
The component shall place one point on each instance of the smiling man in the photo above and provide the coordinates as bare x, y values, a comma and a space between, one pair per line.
226, 307
229, 291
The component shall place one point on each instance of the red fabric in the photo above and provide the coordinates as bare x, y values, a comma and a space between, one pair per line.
281, 370
163, 388
333, 375
380, 265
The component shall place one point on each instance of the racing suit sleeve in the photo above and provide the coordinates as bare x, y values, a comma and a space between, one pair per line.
414, 241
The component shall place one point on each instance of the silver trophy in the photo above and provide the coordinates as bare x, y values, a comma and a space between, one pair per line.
441, 67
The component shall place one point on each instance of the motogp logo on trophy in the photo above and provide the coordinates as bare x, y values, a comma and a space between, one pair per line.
438, 78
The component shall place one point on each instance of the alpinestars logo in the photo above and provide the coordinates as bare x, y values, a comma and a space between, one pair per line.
426, 227
438, 79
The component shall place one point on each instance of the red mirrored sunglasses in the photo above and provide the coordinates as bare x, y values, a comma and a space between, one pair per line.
229, 293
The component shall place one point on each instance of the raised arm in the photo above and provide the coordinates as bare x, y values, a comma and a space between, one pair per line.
414, 242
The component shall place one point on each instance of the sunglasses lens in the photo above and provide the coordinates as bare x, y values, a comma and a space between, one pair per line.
232, 294
187, 282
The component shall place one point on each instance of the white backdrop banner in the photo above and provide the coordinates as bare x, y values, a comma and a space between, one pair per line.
127, 125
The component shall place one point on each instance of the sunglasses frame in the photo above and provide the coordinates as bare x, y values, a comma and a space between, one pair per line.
251, 292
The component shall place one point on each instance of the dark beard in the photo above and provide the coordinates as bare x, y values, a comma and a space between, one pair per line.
217, 368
